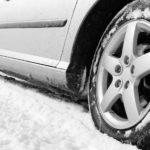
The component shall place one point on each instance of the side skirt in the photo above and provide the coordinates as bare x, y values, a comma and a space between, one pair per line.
34, 72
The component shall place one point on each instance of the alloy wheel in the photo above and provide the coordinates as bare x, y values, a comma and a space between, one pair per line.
122, 69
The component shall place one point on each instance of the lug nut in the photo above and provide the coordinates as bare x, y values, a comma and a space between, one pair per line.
118, 83
126, 60
127, 84
132, 69
118, 69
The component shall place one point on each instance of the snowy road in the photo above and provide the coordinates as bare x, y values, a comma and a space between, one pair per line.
30, 120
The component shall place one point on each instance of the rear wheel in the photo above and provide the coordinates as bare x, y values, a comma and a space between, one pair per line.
119, 90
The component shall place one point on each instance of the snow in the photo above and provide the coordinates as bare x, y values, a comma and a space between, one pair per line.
138, 13
144, 122
135, 14
30, 120
128, 133
146, 13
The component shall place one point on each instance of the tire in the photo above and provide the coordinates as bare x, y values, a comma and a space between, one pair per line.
119, 98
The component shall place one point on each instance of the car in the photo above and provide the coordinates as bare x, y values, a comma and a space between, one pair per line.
97, 50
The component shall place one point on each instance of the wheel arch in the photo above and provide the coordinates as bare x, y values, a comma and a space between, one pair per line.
87, 39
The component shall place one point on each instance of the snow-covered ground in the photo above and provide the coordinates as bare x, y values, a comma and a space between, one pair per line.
30, 120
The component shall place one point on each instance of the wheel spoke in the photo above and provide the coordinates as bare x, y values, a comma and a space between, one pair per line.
110, 97
141, 65
131, 103
109, 63
130, 40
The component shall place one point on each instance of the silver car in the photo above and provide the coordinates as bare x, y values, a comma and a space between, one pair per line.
97, 50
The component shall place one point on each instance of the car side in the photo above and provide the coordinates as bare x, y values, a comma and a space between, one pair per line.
96, 50
53, 42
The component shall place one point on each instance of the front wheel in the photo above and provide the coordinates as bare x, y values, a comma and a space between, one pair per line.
119, 88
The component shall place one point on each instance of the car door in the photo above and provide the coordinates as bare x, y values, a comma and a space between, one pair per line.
34, 30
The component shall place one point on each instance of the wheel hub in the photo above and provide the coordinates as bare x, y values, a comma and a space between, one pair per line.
126, 73
126, 76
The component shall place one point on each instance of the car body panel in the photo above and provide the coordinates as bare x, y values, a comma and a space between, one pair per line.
38, 74
82, 9
36, 29
35, 36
